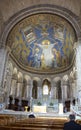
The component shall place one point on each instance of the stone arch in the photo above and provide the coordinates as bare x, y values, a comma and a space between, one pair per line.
73, 82
34, 89
24, 88
57, 81
65, 78
44, 8
19, 83
20, 77
74, 73
46, 86
66, 86
9, 71
15, 71
14, 82
36, 82
58, 89
36, 78
10, 67
27, 78
26, 81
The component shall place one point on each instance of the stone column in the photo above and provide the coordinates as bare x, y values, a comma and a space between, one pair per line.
13, 87
39, 90
7, 87
53, 90
72, 89
8, 82
19, 89
64, 90
28, 90
3, 57
31, 88
78, 67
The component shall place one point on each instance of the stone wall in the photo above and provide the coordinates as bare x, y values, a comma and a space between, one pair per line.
10, 7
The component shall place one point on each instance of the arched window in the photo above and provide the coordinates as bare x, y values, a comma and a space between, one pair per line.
46, 87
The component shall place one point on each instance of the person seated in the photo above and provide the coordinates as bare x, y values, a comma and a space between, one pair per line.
72, 125
31, 116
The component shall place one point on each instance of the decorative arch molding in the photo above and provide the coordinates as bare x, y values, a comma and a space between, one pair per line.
46, 8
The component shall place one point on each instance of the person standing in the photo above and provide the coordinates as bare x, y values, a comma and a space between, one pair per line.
72, 125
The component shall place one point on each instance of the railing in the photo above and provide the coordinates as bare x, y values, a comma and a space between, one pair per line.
76, 111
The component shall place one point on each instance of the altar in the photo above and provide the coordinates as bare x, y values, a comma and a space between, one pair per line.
45, 105
39, 109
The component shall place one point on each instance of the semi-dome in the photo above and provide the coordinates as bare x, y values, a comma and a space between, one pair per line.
42, 42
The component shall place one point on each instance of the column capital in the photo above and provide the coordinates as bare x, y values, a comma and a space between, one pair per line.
20, 82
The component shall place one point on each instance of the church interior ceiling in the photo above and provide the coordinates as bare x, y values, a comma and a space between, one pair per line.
42, 42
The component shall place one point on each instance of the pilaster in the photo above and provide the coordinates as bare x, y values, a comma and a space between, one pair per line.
13, 87
78, 68
3, 58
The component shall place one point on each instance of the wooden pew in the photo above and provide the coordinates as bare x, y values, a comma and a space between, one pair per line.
6, 119
21, 128
40, 123
34, 123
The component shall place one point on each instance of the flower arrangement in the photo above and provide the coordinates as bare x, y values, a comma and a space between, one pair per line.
39, 103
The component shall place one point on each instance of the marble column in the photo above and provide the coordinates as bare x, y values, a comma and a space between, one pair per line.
28, 90
29, 87
65, 91
19, 89
53, 90
72, 89
78, 68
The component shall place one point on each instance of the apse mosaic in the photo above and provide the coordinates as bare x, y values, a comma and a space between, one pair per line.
42, 42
